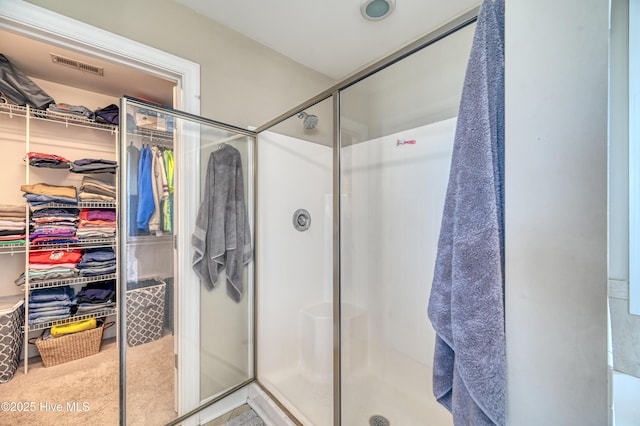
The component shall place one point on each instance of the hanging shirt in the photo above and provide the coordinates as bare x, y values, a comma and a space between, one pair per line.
167, 205
145, 190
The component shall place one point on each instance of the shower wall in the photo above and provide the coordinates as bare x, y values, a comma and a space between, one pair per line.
294, 273
392, 205
392, 202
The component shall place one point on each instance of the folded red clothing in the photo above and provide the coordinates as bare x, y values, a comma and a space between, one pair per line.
55, 256
47, 156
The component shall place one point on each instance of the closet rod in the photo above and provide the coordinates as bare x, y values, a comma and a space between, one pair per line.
223, 140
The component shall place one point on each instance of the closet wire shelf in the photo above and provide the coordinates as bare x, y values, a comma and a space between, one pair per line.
151, 134
52, 116
80, 244
35, 285
12, 248
82, 317
82, 205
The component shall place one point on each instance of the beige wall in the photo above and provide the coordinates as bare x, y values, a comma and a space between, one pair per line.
556, 211
242, 82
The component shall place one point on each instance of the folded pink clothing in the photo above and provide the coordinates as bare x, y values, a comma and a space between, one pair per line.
45, 266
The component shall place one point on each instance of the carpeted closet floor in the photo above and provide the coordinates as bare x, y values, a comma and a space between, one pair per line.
85, 391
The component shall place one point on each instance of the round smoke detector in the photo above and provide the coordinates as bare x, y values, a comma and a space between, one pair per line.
375, 10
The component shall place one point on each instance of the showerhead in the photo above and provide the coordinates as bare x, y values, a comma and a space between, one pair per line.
309, 121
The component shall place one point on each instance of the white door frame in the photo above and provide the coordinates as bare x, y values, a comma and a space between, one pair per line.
45, 25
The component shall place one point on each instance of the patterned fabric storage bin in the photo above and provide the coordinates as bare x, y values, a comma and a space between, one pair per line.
145, 311
11, 335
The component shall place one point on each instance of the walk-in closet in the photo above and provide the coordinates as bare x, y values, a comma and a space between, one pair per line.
61, 239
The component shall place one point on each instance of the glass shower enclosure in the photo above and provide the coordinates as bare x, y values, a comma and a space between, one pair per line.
343, 335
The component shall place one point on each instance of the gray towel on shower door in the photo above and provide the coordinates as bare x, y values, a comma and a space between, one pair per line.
221, 239
466, 305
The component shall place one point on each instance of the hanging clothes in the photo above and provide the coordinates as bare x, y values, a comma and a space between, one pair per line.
145, 190
466, 305
160, 189
222, 237
167, 205
133, 160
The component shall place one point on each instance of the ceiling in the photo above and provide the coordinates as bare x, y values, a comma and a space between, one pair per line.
330, 36
33, 58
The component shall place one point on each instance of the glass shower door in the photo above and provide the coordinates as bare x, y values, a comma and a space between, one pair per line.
397, 131
295, 289
185, 338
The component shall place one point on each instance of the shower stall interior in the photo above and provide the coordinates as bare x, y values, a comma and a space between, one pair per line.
360, 303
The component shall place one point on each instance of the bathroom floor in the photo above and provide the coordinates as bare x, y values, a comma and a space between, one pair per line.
626, 390
240, 416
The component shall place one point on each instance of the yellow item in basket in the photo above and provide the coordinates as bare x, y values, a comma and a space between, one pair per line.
74, 327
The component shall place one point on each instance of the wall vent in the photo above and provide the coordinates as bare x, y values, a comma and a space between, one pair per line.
72, 63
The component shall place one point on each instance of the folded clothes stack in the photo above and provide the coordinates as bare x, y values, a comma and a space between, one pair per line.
42, 193
54, 225
96, 223
92, 165
98, 261
93, 189
96, 296
71, 110
51, 265
51, 161
12, 224
50, 304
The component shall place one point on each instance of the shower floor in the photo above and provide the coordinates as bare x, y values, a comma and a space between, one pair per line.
365, 393
241, 416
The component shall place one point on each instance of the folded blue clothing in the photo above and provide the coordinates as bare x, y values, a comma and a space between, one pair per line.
50, 318
49, 312
39, 199
92, 307
94, 295
57, 212
91, 272
56, 241
48, 163
68, 109
51, 294
100, 254
48, 305
96, 264
88, 161
38, 313
48, 298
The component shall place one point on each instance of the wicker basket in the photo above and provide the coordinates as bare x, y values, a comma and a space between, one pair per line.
70, 347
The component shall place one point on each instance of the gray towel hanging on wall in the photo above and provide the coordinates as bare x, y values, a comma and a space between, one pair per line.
466, 306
